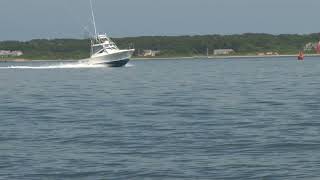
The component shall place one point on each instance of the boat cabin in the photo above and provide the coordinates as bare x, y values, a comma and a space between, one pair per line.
102, 43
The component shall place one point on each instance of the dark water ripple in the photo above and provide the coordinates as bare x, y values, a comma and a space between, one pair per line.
224, 119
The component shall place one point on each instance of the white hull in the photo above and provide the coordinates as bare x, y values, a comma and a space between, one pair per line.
116, 59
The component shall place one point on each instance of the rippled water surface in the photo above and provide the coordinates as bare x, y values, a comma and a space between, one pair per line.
161, 119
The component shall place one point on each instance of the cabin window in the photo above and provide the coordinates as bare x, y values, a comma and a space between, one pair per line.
97, 49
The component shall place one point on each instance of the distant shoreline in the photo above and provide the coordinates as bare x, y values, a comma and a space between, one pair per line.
246, 45
175, 58
226, 57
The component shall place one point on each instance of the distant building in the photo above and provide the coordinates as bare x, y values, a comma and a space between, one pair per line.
267, 53
310, 46
10, 53
223, 51
271, 53
149, 53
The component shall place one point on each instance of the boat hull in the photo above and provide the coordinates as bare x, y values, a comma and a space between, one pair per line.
117, 59
118, 63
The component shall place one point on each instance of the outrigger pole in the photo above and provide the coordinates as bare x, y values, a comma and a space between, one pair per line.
93, 19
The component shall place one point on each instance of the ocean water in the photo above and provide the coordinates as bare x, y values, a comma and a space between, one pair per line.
161, 119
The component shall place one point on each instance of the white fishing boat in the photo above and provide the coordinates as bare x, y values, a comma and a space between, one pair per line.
105, 51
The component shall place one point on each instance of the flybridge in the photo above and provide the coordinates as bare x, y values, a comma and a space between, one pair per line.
102, 36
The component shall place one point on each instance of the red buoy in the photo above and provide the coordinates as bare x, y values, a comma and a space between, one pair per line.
301, 56
318, 48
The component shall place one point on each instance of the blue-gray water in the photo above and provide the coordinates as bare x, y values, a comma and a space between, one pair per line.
161, 119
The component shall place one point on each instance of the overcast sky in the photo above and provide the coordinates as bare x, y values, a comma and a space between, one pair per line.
30, 19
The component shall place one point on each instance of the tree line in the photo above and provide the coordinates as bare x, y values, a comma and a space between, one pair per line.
169, 46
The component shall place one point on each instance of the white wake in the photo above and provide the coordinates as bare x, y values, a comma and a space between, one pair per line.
62, 65
56, 66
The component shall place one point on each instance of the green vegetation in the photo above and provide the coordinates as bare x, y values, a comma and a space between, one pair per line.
170, 46
49, 49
